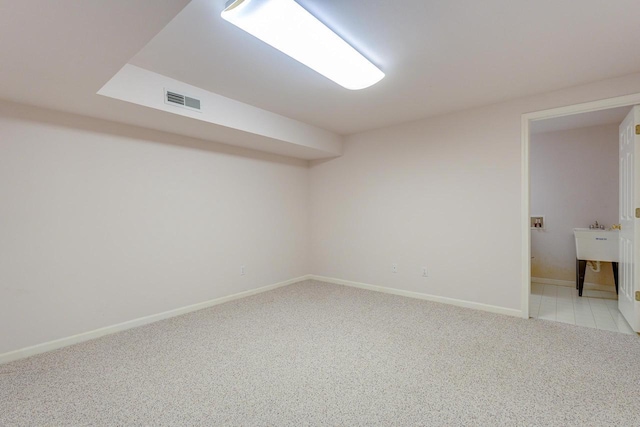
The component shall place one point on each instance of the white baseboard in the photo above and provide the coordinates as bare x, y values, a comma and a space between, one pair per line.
97, 333
572, 284
418, 295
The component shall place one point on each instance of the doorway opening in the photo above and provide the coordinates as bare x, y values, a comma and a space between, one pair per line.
575, 177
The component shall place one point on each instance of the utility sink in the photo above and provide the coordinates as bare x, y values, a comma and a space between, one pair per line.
596, 245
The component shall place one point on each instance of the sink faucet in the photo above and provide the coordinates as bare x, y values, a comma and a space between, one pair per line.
596, 226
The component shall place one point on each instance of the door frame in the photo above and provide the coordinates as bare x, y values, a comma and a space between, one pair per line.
527, 119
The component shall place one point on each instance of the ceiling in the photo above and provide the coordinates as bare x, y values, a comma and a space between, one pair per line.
610, 116
59, 53
439, 56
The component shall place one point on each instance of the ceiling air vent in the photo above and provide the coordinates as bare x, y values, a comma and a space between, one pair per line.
175, 98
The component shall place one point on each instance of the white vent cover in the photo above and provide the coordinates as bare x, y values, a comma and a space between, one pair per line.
180, 100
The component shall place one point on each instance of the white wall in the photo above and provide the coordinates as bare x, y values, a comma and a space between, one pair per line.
574, 182
443, 192
101, 223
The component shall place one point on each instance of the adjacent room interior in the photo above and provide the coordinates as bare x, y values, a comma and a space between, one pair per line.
300, 212
575, 172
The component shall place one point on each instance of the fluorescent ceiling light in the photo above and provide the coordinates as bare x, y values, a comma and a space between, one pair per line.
288, 27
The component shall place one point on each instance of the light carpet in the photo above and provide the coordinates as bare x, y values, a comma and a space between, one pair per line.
321, 354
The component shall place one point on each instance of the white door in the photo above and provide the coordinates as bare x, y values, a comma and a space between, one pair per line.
629, 234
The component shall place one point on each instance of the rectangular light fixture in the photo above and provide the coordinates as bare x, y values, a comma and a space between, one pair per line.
288, 27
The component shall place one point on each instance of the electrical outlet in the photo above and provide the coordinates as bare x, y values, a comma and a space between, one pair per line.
394, 268
243, 270
425, 272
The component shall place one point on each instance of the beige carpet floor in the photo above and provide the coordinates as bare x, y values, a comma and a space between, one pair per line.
320, 354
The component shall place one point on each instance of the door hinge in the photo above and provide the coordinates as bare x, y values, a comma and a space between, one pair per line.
637, 212
637, 129
637, 295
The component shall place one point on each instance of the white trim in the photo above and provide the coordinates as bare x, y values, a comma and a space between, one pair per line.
572, 284
525, 217
419, 295
585, 107
97, 333
527, 118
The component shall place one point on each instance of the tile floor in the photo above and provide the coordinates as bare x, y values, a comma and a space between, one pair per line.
562, 304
